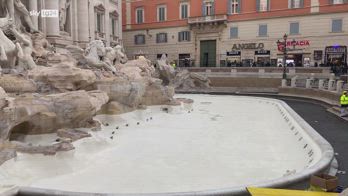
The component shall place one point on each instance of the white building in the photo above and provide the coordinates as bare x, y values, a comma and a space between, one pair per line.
79, 21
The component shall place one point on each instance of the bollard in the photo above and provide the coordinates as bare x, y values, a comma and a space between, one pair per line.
284, 83
339, 86
321, 84
331, 86
293, 82
332, 76
308, 83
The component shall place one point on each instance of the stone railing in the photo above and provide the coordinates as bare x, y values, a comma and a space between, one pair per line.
329, 84
272, 72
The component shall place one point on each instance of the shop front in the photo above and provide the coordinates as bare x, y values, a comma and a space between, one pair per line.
336, 55
297, 54
248, 55
262, 58
233, 58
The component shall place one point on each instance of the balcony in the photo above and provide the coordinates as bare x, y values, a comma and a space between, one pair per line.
208, 24
215, 19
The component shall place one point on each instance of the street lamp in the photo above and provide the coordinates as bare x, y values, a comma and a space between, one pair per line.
285, 50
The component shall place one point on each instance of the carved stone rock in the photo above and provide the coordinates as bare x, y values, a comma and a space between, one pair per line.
36, 114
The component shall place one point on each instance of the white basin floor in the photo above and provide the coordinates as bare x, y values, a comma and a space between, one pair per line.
224, 142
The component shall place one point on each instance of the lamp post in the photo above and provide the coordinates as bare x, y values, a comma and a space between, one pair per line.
285, 50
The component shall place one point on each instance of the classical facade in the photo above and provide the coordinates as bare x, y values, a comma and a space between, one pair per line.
237, 32
79, 21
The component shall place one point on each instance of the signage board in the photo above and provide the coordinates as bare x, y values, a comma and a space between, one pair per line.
248, 46
233, 53
262, 52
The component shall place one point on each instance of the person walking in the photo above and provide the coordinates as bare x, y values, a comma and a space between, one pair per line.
344, 103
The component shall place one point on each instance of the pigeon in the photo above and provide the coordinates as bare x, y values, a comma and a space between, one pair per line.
150, 118
138, 123
117, 127
106, 124
113, 132
112, 137
127, 125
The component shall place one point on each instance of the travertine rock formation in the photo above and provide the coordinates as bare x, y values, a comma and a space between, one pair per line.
166, 71
17, 84
157, 94
187, 80
61, 78
136, 69
46, 149
6, 154
72, 134
45, 114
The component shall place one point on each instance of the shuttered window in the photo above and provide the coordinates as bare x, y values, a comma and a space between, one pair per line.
184, 36
234, 6
161, 37
338, 1
234, 32
139, 39
184, 10
263, 5
263, 30
294, 28
140, 15
296, 3
208, 8
161, 13
336, 25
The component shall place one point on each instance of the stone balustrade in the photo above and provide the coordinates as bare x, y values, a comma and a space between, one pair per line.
329, 84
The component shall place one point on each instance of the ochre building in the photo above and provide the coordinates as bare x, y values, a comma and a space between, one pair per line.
237, 32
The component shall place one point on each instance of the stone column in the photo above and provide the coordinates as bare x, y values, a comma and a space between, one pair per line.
293, 82
309, 83
284, 83
52, 23
331, 86
33, 7
339, 86
321, 84
82, 21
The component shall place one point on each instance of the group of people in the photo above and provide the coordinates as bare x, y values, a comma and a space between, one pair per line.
339, 69
344, 104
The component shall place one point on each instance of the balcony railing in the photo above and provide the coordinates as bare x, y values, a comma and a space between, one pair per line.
207, 19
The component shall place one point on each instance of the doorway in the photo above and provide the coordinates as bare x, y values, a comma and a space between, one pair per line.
208, 53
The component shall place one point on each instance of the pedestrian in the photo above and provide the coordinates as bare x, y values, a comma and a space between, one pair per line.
344, 103
173, 64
